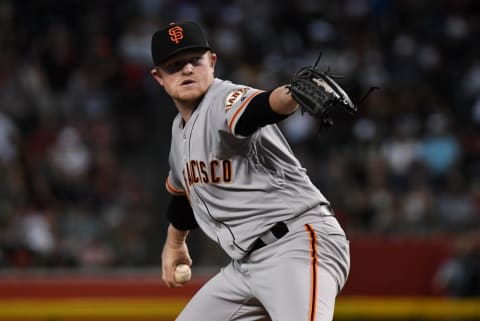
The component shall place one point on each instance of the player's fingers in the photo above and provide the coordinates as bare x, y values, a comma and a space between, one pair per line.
170, 282
168, 277
173, 284
188, 261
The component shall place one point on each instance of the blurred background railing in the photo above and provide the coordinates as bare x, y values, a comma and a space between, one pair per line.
85, 134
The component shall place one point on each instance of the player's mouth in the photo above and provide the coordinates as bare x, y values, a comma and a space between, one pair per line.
187, 82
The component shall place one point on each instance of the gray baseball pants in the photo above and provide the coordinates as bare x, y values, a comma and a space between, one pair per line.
295, 278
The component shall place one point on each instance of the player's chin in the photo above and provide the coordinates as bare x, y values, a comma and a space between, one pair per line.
189, 95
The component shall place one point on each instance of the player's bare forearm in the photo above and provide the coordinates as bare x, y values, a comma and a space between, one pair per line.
176, 237
282, 102
174, 252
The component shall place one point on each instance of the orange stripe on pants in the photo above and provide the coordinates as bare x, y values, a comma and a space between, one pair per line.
313, 270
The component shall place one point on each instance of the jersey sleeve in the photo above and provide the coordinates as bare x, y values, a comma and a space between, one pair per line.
173, 186
235, 104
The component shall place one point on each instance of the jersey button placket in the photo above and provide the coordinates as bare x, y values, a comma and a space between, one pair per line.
185, 146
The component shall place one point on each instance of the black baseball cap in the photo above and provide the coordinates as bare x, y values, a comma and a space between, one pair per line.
175, 38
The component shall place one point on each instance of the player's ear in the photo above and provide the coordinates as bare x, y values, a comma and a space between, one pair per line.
157, 76
213, 59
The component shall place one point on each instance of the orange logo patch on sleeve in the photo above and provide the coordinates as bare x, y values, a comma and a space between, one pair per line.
233, 97
176, 34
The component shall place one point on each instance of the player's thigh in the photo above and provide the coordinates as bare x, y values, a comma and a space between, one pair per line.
299, 277
224, 298
295, 292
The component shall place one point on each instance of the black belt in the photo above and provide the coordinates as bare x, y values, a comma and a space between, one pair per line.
276, 232
279, 230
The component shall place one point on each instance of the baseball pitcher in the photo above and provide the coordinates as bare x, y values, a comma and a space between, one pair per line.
233, 175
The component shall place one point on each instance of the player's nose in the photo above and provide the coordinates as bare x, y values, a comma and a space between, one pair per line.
187, 68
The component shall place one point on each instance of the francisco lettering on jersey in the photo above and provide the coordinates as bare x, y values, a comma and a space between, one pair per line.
213, 172
233, 97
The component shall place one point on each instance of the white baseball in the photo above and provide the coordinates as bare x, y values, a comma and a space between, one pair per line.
183, 273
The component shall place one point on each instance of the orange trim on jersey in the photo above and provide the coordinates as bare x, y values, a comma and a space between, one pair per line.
172, 189
239, 110
313, 271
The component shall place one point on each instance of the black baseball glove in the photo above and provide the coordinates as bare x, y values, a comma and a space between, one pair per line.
319, 94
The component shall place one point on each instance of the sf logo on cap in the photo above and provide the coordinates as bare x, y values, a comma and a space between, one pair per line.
176, 34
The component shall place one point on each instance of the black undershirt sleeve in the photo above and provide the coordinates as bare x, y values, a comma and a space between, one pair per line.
257, 114
180, 214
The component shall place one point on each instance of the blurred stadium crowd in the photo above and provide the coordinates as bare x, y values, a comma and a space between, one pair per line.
85, 132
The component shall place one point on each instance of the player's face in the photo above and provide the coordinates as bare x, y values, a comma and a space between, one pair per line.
187, 76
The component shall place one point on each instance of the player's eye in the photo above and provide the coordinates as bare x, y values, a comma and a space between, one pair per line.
176, 66
173, 67
195, 61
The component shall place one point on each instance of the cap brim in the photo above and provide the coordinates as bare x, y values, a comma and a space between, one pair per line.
183, 49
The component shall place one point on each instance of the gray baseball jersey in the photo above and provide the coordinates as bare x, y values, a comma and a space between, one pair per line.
238, 186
